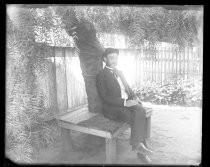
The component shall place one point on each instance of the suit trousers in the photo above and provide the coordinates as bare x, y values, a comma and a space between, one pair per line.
136, 117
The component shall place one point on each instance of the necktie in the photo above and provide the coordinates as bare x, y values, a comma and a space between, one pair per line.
116, 73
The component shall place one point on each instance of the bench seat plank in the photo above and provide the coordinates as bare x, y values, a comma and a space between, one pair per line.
78, 116
92, 123
92, 131
102, 123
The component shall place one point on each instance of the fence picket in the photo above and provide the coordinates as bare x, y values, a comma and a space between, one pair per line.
165, 59
172, 61
188, 63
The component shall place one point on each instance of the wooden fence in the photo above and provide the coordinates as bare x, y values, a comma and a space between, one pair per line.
70, 84
139, 67
145, 65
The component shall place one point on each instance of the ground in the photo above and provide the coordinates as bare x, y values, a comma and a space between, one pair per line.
175, 138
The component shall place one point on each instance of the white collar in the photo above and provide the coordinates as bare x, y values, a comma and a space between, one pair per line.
110, 68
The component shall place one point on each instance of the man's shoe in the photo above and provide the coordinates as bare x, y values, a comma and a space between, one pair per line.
144, 158
143, 149
146, 145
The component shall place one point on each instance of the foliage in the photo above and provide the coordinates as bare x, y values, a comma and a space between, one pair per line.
49, 28
17, 137
26, 66
159, 25
184, 92
154, 24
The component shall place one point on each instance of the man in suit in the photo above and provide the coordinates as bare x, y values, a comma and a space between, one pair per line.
121, 104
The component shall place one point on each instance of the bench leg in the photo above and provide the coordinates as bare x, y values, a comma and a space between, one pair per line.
110, 150
148, 130
66, 140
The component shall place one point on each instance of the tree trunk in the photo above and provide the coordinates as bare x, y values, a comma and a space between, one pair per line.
90, 68
90, 55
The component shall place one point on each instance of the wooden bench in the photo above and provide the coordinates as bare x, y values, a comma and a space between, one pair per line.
82, 120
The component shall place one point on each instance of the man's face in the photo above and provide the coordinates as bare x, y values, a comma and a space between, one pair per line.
111, 60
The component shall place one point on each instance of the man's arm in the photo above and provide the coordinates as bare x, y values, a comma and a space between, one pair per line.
132, 94
102, 90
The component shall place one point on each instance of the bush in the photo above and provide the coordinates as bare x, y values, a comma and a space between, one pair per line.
175, 92
26, 130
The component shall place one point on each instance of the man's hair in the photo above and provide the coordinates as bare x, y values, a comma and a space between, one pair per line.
110, 50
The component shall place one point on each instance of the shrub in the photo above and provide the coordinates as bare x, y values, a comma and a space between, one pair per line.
26, 130
175, 92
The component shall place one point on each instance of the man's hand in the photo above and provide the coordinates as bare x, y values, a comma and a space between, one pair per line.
130, 103
137, 99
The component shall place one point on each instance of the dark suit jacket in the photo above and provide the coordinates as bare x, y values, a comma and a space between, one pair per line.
110, 92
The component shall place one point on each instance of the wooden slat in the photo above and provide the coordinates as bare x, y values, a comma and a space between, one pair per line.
110, 150
60, 79
54, 86
66, 93
78, 116
84, 118
176, 67
165, 60
83, 129
181, 62
148, 129
69, 81
169, 61
172, 59
158, 65
66, 112
180, 52
73, 112
156, 68
162, 64
102, 123
185, 64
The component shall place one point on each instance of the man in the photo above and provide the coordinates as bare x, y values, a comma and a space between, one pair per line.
121, 104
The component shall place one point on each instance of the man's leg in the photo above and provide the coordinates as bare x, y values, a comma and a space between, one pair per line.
126, 115
139, 123
134, 116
